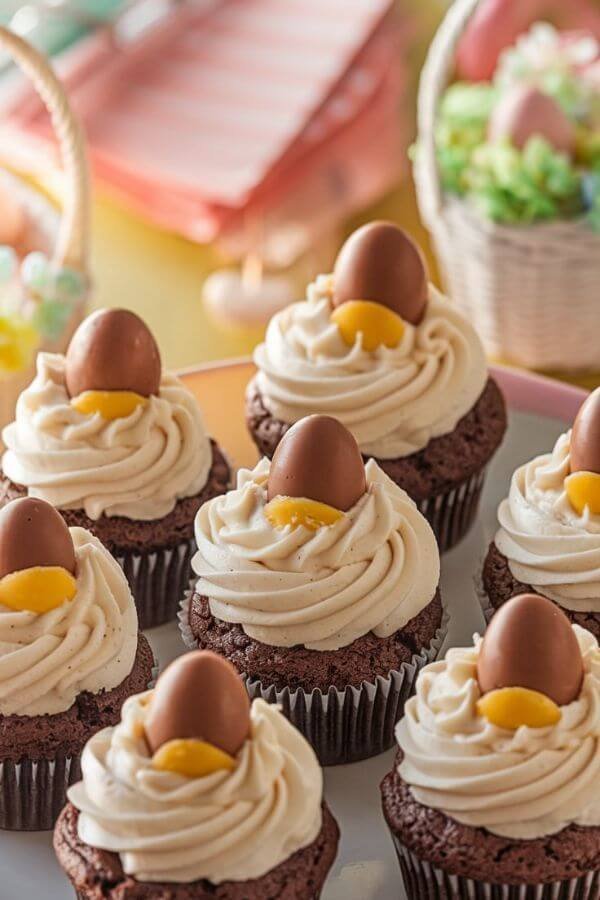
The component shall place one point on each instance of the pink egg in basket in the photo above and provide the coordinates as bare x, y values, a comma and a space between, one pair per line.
526, 111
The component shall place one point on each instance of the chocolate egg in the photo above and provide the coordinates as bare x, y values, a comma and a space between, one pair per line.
524, 112
318, 459
33, 533
585, 437
113, 350
381, 263
530, 644
199, 696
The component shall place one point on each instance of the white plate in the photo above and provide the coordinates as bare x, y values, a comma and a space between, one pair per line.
366, 868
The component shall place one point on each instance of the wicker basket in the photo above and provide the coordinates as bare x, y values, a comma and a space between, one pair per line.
70, 238
533, 292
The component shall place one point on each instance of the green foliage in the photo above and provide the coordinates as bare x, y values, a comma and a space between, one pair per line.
461, 128
522, 187
506, 184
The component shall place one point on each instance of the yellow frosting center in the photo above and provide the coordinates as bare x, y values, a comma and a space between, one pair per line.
191, 758
38, 589
375, 323
296, 511
513, 707
110, 404
583, 489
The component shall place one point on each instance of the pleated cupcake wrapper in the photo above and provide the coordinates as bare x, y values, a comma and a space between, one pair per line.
34, 791
452, 513
423, 881
343, 726
157, 580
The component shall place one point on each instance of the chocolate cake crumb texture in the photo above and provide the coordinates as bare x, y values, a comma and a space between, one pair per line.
500, 585
445, 462
476, 853
296, 667
119, 534
98, 874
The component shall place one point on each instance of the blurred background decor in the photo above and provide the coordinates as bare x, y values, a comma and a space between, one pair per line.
508, 175
43, 255
228, 171
343, 92
246, 124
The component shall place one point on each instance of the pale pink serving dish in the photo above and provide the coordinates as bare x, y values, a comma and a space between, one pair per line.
366, 868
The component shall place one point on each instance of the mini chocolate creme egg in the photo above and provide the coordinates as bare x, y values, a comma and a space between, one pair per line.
317, 473
379, 283
112, 364
583, 484
37, 557
530, 645
525, 112
198, 716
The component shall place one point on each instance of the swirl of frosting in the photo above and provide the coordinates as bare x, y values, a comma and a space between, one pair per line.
374, 569
137, 466
521, 784
86, 644
547, 543
394, 401
228, 826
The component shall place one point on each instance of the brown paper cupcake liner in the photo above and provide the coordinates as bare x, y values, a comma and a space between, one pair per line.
423, 881
157, 581
34, 791
452, 513
341, 726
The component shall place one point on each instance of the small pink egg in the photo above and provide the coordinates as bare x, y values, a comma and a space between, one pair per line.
524, 112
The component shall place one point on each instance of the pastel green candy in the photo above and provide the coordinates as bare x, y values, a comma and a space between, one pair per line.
36, 272
51, 318
68, 284
8, 264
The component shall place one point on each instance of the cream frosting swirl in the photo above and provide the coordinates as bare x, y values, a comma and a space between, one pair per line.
394, 401
86, 644
137, 466
547, 543
227, 826
373, 570
521, 784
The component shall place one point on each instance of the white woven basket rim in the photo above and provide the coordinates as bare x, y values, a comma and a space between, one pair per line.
71, 248
535, 235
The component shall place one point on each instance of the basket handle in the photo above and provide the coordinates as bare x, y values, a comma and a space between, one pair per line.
72, 241
434, 79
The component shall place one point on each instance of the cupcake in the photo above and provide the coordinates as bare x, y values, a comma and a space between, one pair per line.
496, 788
70, 655
197, 794
549, 535
378, 348
119, 448
318, 579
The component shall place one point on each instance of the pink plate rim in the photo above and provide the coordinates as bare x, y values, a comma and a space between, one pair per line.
532, 393
524, 391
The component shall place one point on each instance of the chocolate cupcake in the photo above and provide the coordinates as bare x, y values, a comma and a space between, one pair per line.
380, 349
198, 794
549, 535
318, 579
119, 448
71, 654
496, 788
